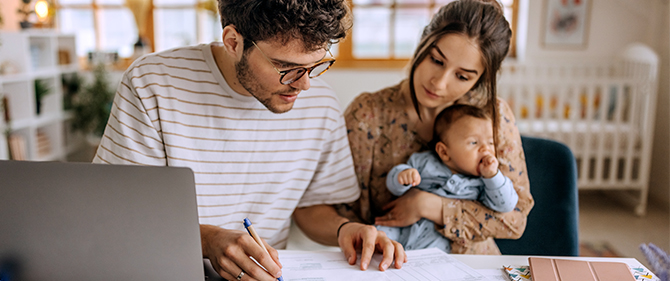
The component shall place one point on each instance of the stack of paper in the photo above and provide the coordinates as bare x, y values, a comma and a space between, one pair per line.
427, 264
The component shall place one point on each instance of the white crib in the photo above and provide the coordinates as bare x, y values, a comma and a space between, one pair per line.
604, 111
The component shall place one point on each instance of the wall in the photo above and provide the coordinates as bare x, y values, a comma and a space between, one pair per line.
613, 24
9, 15
350, 83
660, 180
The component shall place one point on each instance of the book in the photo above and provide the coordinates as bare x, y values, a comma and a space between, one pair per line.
549, 269
43, 144
17, 147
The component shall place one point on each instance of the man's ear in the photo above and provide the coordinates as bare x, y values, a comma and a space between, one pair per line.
233, 42
441, 149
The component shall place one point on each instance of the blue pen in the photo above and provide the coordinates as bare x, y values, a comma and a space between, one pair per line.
252, 232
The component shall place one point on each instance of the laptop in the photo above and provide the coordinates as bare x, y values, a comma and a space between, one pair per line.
83, 221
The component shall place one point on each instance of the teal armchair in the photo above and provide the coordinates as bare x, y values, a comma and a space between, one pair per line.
553, 223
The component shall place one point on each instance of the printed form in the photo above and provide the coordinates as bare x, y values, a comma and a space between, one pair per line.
426, 264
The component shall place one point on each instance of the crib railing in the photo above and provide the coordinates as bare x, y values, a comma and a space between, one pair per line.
603, 111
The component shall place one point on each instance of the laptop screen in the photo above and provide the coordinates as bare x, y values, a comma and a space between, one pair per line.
82, 221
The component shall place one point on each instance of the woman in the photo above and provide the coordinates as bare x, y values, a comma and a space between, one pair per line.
457, 60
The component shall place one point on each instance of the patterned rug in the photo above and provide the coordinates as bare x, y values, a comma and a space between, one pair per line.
597, 249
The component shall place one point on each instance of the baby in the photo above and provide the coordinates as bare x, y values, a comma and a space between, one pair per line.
462, 165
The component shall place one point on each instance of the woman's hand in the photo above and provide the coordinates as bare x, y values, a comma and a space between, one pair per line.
410, 208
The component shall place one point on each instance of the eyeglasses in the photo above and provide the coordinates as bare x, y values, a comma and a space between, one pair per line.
289, 76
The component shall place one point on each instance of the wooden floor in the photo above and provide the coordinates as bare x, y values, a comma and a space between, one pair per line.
603, 218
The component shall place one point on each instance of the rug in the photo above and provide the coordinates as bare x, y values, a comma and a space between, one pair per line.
597, 249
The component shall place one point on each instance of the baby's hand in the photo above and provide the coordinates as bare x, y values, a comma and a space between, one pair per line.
488, 167
409, 176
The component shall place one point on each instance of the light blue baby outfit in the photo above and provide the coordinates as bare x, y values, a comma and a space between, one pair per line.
496, 193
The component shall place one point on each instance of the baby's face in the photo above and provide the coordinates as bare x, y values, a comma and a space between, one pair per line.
468, 141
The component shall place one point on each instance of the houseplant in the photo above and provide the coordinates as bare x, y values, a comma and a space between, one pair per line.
91, 105
25, 11
72, 84
41, 90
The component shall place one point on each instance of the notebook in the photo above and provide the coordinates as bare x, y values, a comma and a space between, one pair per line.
548, 269
82, 221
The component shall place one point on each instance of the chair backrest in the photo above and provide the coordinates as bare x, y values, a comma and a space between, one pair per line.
553, 223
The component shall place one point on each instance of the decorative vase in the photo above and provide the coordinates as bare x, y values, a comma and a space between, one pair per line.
38, 107
26, 24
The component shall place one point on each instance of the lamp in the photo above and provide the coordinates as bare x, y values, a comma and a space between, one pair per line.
42, 10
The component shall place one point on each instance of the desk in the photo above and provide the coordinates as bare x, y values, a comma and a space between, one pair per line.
490, 266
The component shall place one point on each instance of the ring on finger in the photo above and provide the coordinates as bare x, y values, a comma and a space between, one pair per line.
239, 276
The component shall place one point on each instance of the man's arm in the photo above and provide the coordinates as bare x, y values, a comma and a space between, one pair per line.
321, 222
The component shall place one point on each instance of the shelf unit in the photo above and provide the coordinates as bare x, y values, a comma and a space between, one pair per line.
27, 57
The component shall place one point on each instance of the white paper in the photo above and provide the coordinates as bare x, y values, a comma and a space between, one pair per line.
426, 264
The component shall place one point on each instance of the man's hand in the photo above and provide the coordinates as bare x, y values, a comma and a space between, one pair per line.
409, 176
368, 239
229, 252
488, 167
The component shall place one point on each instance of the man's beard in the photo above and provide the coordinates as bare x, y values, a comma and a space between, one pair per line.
249, 82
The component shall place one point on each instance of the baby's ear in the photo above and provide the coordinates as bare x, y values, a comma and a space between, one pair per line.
441, 150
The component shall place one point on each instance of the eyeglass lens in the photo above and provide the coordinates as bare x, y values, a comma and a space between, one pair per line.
295, 74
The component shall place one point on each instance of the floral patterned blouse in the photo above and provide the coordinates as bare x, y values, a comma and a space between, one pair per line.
381, 136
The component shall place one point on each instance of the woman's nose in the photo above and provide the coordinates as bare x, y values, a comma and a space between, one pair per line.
440, 80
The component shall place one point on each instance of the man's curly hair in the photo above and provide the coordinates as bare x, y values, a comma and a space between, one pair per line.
316, 23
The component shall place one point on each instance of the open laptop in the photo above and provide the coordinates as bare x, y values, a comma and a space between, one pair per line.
81, 221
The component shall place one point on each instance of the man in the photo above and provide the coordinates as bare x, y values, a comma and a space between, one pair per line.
262, 146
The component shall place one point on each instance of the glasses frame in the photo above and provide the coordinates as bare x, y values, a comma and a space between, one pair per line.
307, 70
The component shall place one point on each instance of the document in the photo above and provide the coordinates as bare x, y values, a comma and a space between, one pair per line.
426, 264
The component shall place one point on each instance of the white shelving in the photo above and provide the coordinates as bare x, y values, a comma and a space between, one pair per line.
43, 55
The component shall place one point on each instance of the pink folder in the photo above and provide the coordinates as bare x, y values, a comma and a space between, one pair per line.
547, 269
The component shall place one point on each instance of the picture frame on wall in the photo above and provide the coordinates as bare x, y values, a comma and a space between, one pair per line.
566, 24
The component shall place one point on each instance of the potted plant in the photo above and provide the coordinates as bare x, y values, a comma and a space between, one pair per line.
25, 11
41, 90
72, 83
2, 22
91, 105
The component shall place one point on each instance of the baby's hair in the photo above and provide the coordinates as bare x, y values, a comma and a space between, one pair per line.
451, 114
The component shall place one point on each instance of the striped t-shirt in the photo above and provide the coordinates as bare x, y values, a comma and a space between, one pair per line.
175, 108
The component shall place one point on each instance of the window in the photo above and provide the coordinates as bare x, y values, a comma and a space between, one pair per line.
386, 32
109, 25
